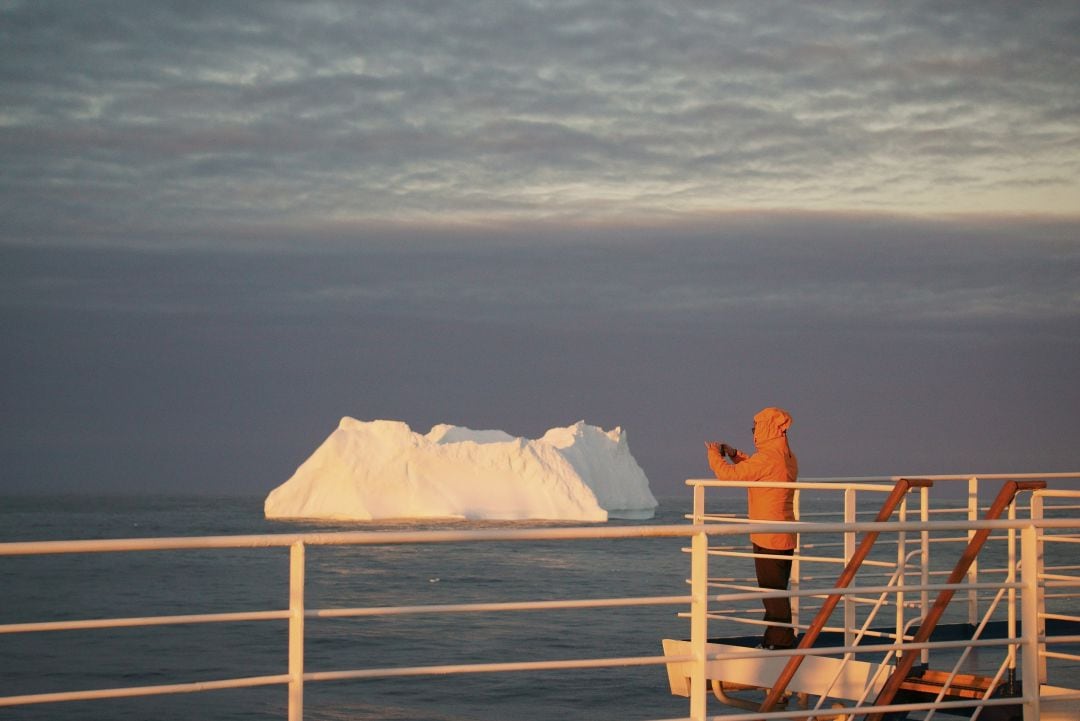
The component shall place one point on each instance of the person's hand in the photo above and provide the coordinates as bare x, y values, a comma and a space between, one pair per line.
722, 448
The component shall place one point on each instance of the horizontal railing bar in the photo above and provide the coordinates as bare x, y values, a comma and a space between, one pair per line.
1061, 595
732, 616
852, 590
749, 587
718, 581
854, 711
740, 551
803, 517
135, 691
802, 526
453, 669
803, 522
879, 526
808, 485
732, 611
871, 601
804, 559
868, 648
144, 621
840, 514
957, 511
740, 582
504, 606
745, 620
1058, 577
381, 538
747, 583
891, 542
359, 538
957, 477
848, 481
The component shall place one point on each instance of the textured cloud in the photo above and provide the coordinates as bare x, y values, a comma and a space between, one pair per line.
122, 117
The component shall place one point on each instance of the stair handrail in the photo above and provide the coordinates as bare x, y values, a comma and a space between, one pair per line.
897, 494
967, 651
900, 673
893, 582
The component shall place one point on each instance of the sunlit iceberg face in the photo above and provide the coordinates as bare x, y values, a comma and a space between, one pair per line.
382, 469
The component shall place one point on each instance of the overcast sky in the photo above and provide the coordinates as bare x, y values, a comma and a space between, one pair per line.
227, 224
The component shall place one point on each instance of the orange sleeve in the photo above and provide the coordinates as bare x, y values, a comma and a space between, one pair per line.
752, 468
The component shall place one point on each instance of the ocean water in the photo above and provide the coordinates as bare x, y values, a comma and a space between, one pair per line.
44, 588
83, 586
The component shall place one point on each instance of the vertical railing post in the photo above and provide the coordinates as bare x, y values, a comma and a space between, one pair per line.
850, 516
796, 571
296, 632
1010, 577
1037, 515
699, 504
699, 607
699, 622
1029, 621
924, 562
901, 568
973, 571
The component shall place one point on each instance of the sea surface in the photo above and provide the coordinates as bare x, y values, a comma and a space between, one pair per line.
109, 585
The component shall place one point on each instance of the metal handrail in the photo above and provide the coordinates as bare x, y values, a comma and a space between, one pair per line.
846, 577
1004, 500
296, 614
1030, 529
865, 629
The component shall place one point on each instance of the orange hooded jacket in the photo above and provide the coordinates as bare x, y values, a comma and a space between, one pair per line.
772, 461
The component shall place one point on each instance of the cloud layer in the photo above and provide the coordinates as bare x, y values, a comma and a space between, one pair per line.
774, 272
124, 121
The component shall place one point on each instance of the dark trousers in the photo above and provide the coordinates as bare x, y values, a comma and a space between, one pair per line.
774, 573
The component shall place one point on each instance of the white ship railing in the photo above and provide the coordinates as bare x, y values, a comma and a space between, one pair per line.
859, 609
297, 613
1035, 587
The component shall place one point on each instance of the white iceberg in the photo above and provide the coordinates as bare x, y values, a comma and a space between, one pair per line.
382, 469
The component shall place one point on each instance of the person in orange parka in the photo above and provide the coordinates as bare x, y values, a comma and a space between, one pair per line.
772, 461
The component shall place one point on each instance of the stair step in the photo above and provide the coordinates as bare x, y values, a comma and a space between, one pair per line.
962, 686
